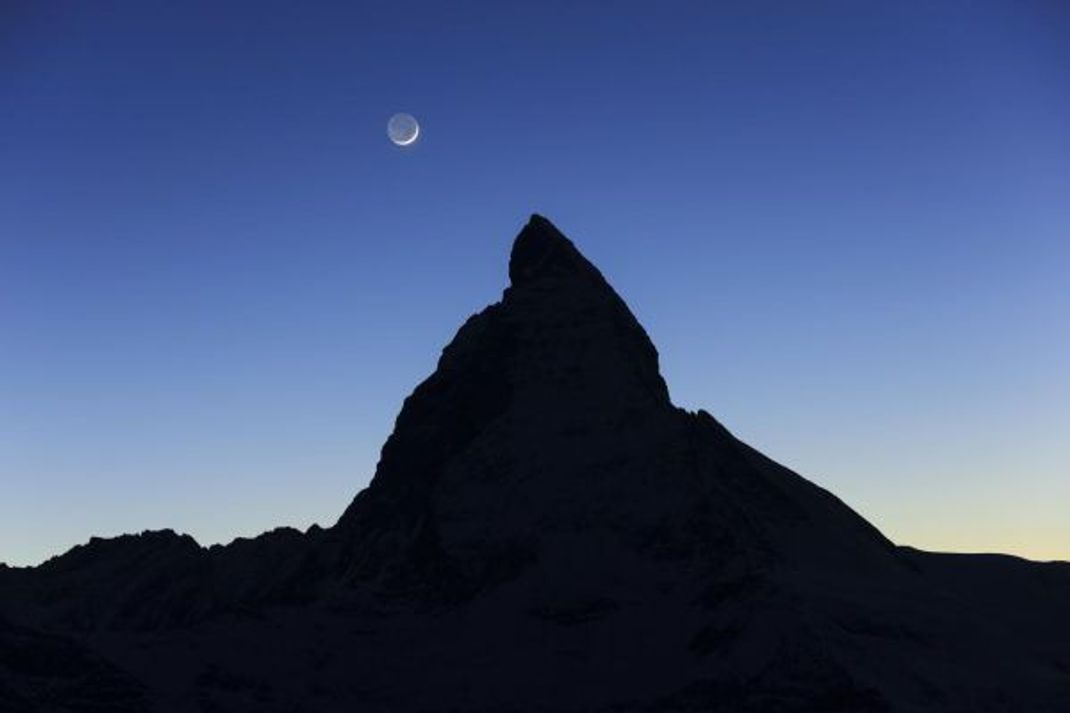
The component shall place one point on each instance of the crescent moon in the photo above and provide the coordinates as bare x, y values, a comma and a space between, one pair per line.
415, 135
403, 129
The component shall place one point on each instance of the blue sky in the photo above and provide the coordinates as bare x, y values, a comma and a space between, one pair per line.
845, 225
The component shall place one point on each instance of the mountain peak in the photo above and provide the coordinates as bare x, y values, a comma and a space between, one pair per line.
542, 512
560, 361
540, 250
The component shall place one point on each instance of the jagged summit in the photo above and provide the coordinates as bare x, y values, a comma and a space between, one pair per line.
559, 362
541, 250
546, 425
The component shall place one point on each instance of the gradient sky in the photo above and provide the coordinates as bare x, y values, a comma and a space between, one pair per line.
845, 225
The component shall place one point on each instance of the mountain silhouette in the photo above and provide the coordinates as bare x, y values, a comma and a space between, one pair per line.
545, 531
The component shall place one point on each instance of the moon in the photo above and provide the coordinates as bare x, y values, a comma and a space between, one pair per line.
403, 129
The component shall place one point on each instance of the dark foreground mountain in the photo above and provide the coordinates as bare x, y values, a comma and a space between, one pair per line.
545, 532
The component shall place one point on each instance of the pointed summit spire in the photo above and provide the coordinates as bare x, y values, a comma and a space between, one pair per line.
541, 249
560, 365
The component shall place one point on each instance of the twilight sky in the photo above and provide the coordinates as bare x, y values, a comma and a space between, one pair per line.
845, 225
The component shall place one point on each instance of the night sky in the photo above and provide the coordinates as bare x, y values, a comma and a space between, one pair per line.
845, 225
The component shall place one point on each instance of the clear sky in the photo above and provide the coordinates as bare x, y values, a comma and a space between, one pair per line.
845, 225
